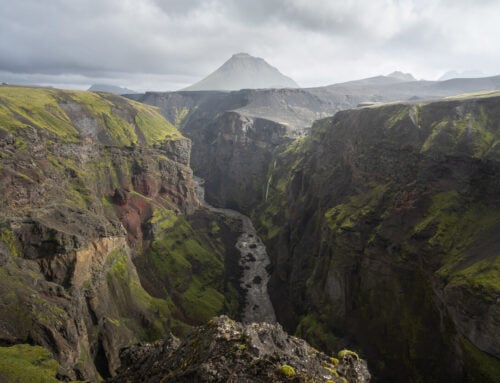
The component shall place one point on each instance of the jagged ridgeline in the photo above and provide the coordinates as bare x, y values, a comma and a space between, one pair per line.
383, 231
96, 249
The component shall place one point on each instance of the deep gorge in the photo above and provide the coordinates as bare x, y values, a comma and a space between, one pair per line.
380, 225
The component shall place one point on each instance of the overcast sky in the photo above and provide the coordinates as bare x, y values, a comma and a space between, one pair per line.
169, 44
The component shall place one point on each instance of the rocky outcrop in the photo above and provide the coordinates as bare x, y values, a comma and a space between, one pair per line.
227, 351
382, 231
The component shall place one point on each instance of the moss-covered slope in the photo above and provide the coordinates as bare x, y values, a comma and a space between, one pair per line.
383, 230
89, 183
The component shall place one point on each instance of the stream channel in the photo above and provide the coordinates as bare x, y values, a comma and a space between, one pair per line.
253, 261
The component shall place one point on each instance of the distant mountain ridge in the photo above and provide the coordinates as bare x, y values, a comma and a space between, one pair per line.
451, 74
111, 89
243, 71
402, 76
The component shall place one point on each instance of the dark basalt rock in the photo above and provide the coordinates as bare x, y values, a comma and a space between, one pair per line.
227, 351
386, 237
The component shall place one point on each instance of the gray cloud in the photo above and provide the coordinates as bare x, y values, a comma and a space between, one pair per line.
167, 44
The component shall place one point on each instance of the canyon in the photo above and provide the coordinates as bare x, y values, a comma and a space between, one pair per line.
371, 228
379, 221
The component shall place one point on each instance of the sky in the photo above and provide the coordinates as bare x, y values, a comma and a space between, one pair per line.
166, 45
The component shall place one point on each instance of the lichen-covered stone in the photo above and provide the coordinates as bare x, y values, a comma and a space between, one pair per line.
227, 351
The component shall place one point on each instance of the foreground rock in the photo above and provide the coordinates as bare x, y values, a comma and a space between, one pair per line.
227, 351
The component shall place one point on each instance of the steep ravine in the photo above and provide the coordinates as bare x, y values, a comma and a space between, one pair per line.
253, 260
382, 230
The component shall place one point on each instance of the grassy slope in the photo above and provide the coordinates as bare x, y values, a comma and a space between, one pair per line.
25, 363
41, 107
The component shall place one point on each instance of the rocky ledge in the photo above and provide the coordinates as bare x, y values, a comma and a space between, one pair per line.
227, 351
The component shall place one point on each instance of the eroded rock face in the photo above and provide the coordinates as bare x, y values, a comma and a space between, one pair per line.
386, 237
77, 191
227, 351
235, 163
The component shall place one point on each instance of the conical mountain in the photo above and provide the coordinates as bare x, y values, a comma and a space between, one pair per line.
243, 71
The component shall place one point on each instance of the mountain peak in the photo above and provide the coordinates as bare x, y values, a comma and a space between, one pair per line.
241, 55
243, 71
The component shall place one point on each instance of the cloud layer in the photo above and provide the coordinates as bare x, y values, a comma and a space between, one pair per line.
168, 44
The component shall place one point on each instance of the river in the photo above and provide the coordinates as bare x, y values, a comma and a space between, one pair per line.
253, 260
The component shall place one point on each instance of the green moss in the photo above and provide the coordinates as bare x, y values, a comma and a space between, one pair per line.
25, 363
347, 216
119, 264
131, 297
472, 132
484, 274
180, 116
457, 226
398, 116
480, 367
179, 252
163, 219
154, 126
214, 228
114, 322
330, 368
287, 371
107, 201
334, 361
315, 331
24, 307
343, 353
21, 107
50, 314
38, 107
8, 237
202, 301
25, 177
21, 144
100, 108
189, 265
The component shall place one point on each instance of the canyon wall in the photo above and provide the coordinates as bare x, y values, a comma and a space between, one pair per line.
101, 244
382, 227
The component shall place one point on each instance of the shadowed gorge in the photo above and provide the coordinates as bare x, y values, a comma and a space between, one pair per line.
104, 244
381, 224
